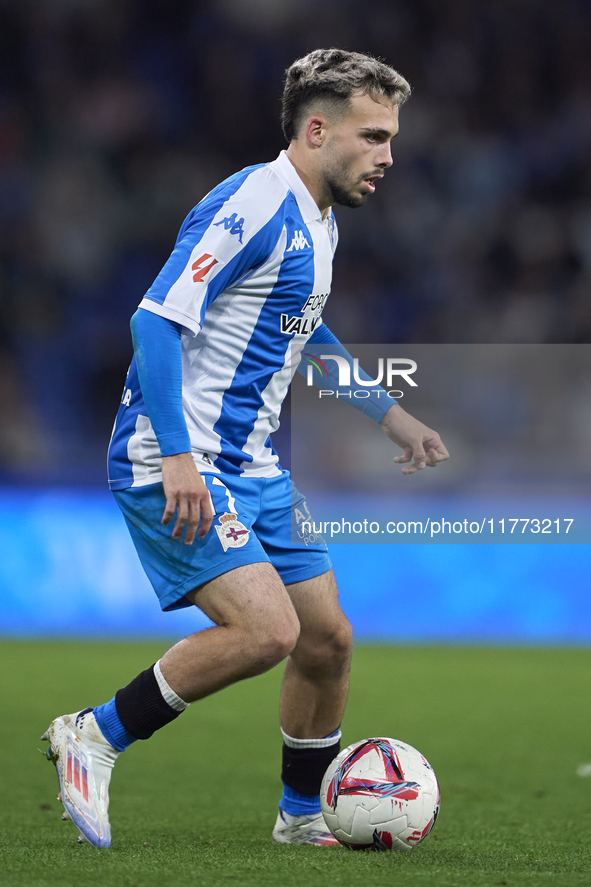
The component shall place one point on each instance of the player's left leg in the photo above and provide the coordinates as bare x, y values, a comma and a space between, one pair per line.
313, 698
316, 679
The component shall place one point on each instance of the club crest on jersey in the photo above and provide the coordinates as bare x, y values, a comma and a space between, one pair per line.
299, 242
232, 533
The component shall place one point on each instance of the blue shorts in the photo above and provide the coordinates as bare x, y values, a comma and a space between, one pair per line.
256, 520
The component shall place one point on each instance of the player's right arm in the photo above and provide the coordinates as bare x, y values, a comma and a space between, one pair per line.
157, 348
233, 230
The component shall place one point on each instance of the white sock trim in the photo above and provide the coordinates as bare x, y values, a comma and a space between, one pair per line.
327, 741
168, 694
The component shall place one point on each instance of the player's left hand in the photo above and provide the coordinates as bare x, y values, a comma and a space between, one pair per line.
422, 446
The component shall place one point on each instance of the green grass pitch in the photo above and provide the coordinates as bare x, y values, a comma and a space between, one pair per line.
505, 730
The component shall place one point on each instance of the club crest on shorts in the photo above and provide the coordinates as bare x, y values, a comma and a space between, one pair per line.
231, 532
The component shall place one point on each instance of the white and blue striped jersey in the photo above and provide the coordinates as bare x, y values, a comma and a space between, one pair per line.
248, 278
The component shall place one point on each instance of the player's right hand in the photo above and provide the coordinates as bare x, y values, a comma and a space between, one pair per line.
187, 494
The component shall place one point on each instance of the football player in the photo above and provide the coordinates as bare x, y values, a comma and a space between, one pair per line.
217, 339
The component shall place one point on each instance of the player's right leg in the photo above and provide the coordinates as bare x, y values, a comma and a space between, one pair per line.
83, 759
255, 628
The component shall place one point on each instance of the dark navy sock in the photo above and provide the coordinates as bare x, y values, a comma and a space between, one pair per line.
305, 762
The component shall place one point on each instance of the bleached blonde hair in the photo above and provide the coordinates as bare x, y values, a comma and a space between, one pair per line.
330, 77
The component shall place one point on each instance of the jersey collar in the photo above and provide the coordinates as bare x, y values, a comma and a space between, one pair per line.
308, 206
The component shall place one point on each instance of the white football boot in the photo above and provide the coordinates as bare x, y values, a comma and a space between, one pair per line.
83, 759
302, 830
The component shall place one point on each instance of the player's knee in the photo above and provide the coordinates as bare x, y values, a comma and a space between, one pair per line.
279, 641
329, 647
283, 639
338, 641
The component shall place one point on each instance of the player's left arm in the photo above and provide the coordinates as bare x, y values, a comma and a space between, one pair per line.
372, 401
421, 445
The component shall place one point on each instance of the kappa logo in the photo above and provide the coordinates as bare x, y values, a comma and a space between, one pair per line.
298, 242
231, 532
233, 224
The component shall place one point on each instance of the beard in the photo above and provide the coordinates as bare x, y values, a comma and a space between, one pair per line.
342, 194
339, 182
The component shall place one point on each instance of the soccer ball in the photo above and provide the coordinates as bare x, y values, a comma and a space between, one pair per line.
380, 794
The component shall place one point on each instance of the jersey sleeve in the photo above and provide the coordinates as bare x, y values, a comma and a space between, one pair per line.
372, 400
228, 235
157, 350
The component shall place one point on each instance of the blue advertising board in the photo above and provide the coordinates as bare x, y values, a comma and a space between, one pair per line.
68, 568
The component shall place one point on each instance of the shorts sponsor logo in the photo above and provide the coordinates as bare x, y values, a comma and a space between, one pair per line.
232, 533
303, 522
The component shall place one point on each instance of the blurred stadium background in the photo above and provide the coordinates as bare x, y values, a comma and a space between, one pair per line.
117, 116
